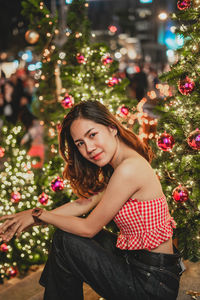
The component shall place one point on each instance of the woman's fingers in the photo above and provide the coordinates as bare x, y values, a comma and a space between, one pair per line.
7, 217
19, 231
7, 236
3, 226
6, 225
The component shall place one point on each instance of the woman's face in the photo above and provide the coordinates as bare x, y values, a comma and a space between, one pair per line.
96, 142
8, 88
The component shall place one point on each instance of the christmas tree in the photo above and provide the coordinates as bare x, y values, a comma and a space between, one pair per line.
178, 158
24, 187
19, 191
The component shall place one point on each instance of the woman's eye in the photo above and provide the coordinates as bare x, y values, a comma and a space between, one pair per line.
92, 134
79, 144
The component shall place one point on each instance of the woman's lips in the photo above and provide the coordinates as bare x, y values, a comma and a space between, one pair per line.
97, 156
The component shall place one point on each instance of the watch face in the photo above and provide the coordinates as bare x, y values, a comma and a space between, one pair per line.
37, 211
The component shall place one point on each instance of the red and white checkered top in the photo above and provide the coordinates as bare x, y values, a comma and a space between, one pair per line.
144, 224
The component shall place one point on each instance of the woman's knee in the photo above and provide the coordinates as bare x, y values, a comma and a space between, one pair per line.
65, 239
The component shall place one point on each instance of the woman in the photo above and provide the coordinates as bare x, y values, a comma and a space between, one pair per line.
10, 105
108, 167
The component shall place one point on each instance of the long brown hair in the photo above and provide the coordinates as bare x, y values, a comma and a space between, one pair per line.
85, 177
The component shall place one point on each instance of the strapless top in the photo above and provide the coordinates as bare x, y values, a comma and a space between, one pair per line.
144, 224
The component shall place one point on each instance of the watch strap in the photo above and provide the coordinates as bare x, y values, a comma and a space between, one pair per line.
36, 212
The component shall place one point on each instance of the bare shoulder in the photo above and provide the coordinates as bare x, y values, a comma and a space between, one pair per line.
135, 171
134, 166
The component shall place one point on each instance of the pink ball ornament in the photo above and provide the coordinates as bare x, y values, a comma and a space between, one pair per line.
107, 60
57, 184
2, 151
80, 58
68, 101
12, 272
113, 81
4, 247
124, 110
180, 194
15, 197
183, 4
165, 142
194, 139
43, 198
186, 86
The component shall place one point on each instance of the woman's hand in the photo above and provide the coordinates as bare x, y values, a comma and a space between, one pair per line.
15, 224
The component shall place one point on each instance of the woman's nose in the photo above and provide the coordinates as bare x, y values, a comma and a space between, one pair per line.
90, 147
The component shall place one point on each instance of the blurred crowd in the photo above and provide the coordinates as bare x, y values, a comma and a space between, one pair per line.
17, 94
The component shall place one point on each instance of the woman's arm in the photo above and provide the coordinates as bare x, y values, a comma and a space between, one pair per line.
16, 223
78, 207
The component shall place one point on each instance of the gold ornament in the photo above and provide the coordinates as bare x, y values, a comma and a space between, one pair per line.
196, 4
32, 36
195, 48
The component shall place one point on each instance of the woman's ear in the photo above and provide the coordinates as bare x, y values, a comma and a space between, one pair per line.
113, 130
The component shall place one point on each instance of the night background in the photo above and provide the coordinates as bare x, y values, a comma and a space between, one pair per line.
140, 58
134, 18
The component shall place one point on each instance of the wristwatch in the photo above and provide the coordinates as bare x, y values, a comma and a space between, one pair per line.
36, 212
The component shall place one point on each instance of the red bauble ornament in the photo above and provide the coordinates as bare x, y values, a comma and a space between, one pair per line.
68, 101
15, 197
107, 60
113, 81
183, 4
165, 142
57, 184
194, 139
43, 198
123, 111
11, 272
2, 151
180, 194
4, 247
80, 58
186, 86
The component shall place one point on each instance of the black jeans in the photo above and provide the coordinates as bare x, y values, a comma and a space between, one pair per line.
113, 273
